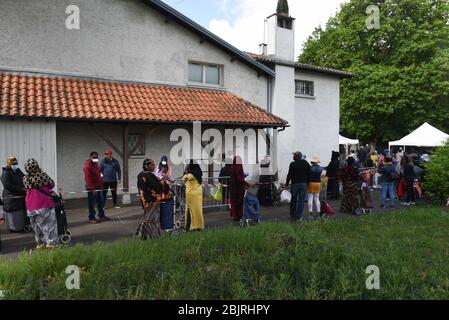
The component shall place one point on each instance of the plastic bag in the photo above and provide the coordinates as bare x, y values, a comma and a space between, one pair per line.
218, 196
286, 196
2, 217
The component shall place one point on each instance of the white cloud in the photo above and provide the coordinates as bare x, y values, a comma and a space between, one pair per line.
246, 31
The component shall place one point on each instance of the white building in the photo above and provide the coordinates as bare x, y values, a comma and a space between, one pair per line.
137, 70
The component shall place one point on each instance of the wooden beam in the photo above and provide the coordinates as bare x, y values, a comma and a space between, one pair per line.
125, 158
106, 139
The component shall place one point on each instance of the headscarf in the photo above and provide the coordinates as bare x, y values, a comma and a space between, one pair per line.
35, 178
163, 169
237, 168
265, 166
195, 170
146, 163
11, 161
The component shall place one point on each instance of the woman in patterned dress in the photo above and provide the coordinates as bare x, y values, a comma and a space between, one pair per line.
150, 192
350, 177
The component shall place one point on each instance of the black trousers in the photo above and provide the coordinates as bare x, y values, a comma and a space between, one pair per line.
113, 187
410, 190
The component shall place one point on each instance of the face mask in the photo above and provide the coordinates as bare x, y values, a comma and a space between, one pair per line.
15, 167
95, 160
164, 163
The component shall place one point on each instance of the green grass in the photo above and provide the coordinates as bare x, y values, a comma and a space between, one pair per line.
272, 261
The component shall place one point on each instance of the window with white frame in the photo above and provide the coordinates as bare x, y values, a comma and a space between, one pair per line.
205, 73
304, 88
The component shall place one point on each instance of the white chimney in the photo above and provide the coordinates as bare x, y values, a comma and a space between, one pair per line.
263, 49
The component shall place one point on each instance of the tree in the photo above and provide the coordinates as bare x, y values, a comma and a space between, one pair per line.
401, 70
282, 7
437, 175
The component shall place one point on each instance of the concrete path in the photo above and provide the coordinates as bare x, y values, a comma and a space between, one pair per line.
125, 221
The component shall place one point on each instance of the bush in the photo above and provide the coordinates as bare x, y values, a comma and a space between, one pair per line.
437, 175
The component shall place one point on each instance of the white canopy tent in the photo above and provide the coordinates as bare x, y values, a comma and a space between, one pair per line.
348, 142
424, 136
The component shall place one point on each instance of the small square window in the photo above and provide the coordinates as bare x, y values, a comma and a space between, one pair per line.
304, 88
213, 75
136, 144
195, 72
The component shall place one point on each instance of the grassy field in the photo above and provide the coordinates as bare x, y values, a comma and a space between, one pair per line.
273, 261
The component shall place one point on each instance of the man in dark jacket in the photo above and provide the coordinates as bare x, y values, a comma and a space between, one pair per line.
13, 194
94, 187
112, 174
298, 175
389, 176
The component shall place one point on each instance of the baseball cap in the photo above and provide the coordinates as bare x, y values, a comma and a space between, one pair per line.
108, 152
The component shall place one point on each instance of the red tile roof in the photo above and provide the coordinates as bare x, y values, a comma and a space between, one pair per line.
70, 98
301, 66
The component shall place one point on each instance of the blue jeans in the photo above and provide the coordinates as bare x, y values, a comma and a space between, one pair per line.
97, 197
299, 193
388, 189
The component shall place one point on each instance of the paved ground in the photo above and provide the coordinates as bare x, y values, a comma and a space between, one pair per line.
125, 221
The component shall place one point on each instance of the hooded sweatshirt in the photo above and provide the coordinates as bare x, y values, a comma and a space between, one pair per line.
92, 176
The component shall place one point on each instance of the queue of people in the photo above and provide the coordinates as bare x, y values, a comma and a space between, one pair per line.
27, 198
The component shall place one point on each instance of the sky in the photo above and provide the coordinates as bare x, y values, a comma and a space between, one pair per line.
241, 22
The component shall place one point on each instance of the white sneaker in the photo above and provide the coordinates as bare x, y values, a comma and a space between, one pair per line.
405, 204
412, 204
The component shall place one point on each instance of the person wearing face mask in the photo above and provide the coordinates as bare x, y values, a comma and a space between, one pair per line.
164, 169
94, 187
14, 196
112, 176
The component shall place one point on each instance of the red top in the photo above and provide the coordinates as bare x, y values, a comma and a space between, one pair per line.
92, 175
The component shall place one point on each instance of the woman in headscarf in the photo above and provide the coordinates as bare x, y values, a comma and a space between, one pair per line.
266, 186
237, 189
13, 195
164, 173
224, 178
193, 179
333, 192
40, 205
351, 180
150, 192
164, 169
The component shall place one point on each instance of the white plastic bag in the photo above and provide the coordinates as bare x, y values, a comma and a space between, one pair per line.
286, 196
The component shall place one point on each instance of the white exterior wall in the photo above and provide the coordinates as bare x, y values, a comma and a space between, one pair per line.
75, 142
29, 139
283, 106
122, 40
318, 119
314, 122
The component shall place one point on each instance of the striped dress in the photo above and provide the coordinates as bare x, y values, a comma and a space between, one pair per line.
351, 180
